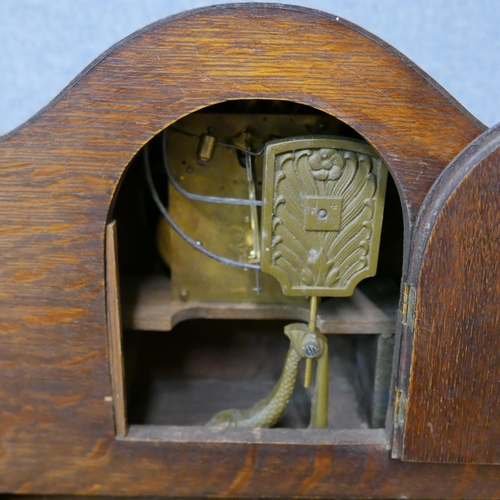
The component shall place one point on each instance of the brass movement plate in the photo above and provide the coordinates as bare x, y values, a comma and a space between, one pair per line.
322, 214
224, 229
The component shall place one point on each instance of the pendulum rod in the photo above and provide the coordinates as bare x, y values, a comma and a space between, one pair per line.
313, 315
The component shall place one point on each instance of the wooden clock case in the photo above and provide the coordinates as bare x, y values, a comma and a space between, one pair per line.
60, 173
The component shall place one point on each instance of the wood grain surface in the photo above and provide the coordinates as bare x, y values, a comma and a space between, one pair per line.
149, 306
59, 173
453, 397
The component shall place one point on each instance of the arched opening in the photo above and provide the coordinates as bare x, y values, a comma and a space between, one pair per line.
200, 336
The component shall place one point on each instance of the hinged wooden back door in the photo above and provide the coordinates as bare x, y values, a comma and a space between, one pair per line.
448, 409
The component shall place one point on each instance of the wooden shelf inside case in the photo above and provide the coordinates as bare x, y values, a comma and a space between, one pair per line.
147, 305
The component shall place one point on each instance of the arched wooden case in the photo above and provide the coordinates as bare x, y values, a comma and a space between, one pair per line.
59, 174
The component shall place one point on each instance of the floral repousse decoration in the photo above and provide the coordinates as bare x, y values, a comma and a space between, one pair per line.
326, 164
328, 262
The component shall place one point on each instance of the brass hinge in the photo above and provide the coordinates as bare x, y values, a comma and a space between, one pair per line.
400, 409
408, 306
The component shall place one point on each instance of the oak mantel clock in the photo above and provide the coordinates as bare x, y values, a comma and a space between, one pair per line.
251, 251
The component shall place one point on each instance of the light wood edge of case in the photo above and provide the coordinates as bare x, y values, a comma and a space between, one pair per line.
115, 330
